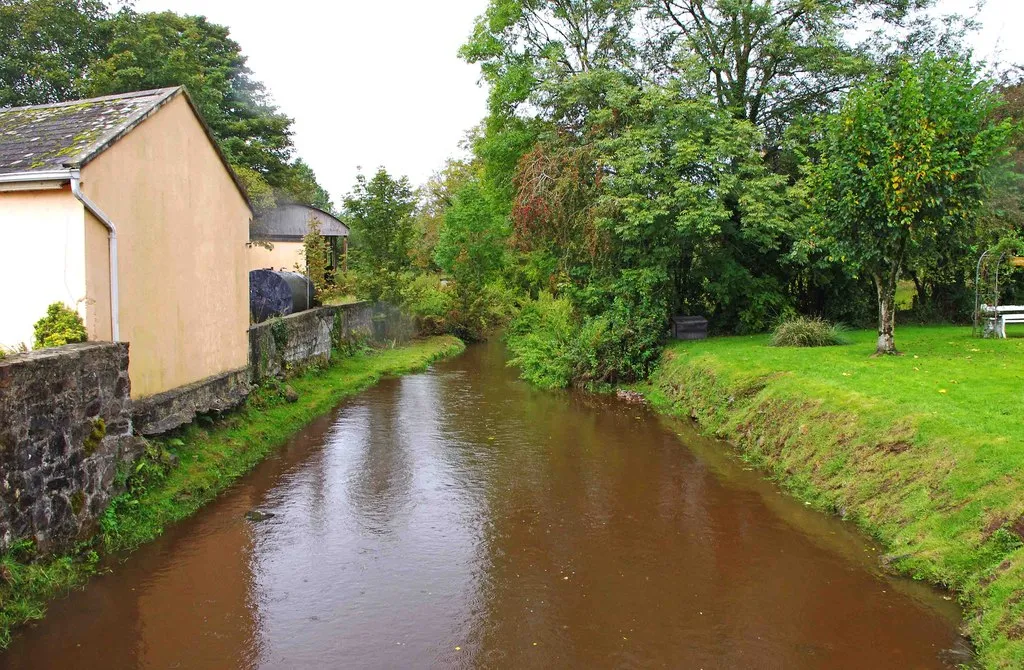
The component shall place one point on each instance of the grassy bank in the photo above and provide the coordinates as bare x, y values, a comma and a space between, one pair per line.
925, 450
183, 472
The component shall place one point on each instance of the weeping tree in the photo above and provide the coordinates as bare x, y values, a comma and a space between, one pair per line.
903, 172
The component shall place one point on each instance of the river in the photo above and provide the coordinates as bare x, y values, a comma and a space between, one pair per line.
460, 518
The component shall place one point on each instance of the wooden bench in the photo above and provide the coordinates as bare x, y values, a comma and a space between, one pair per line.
997, 317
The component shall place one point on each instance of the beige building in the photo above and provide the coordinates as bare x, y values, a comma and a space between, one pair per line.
278, 238
124, 209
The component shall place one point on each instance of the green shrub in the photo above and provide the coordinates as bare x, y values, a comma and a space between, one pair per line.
623, 342
478, 312
429, 303
803, 331
540, 340
555, 345
61, 325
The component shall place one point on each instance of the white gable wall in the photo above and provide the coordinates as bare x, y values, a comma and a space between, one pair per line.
42, 259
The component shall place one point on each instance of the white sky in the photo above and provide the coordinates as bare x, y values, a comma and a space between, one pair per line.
380, 83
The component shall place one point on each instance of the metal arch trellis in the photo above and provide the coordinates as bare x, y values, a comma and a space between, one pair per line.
986, 285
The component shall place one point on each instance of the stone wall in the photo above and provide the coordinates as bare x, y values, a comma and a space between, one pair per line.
285, 345
67, 420
169, 410
65, 426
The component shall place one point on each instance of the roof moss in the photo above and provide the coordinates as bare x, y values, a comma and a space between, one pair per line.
48, 137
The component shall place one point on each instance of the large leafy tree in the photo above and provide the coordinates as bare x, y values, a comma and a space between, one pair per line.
153, 50
436, 197
903, 172
471, 243
769, 61
380, 211
523, 44
47, 48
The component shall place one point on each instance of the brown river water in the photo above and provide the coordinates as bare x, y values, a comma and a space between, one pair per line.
462, 519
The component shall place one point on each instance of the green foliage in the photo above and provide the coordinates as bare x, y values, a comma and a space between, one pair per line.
803, 331
154, 50
95, 436
903, 172
554, 345
48, 48
471, 243
540, 341
435, 197
429, 302
316, 254
479, 311
61, 325
380, 213
261, 193
26, 583
298, 183
519, 44
770, 62
622, 342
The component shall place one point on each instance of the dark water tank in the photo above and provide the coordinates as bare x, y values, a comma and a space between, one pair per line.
278, 293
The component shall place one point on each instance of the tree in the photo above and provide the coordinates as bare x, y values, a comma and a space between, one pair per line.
903, 171
260, 193
769, 61
48, 47
154, 50
316, 256
435, 198
521, 44
471, 244
300, 185
380, 212
59, 50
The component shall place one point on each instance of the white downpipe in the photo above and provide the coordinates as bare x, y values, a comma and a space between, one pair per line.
76, 189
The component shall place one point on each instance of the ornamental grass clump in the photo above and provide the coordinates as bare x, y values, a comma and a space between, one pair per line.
803, 331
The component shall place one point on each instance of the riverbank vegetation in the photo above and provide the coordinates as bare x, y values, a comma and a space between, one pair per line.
180, 473
921, 450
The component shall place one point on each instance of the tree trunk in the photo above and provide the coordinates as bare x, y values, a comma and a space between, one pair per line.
886, 316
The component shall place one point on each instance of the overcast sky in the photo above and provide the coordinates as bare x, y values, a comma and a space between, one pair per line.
380, 83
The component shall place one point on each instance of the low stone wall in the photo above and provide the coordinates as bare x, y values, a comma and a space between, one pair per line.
169, 410
65, 426
285, 345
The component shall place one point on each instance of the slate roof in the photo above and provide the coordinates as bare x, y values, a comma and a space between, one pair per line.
64, 135
291, 222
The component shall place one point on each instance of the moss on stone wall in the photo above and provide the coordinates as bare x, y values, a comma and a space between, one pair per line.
95, 437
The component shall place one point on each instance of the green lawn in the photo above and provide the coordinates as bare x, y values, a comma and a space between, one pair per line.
925, 450
905, 292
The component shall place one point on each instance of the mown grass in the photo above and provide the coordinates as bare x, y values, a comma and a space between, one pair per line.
924, 450
209, 457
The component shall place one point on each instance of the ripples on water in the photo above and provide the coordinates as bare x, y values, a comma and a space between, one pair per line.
460, 518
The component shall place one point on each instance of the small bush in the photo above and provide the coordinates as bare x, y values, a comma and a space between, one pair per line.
429, 303
803, 331
61, 325
540, 339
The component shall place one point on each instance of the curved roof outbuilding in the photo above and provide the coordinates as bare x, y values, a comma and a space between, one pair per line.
291, 223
